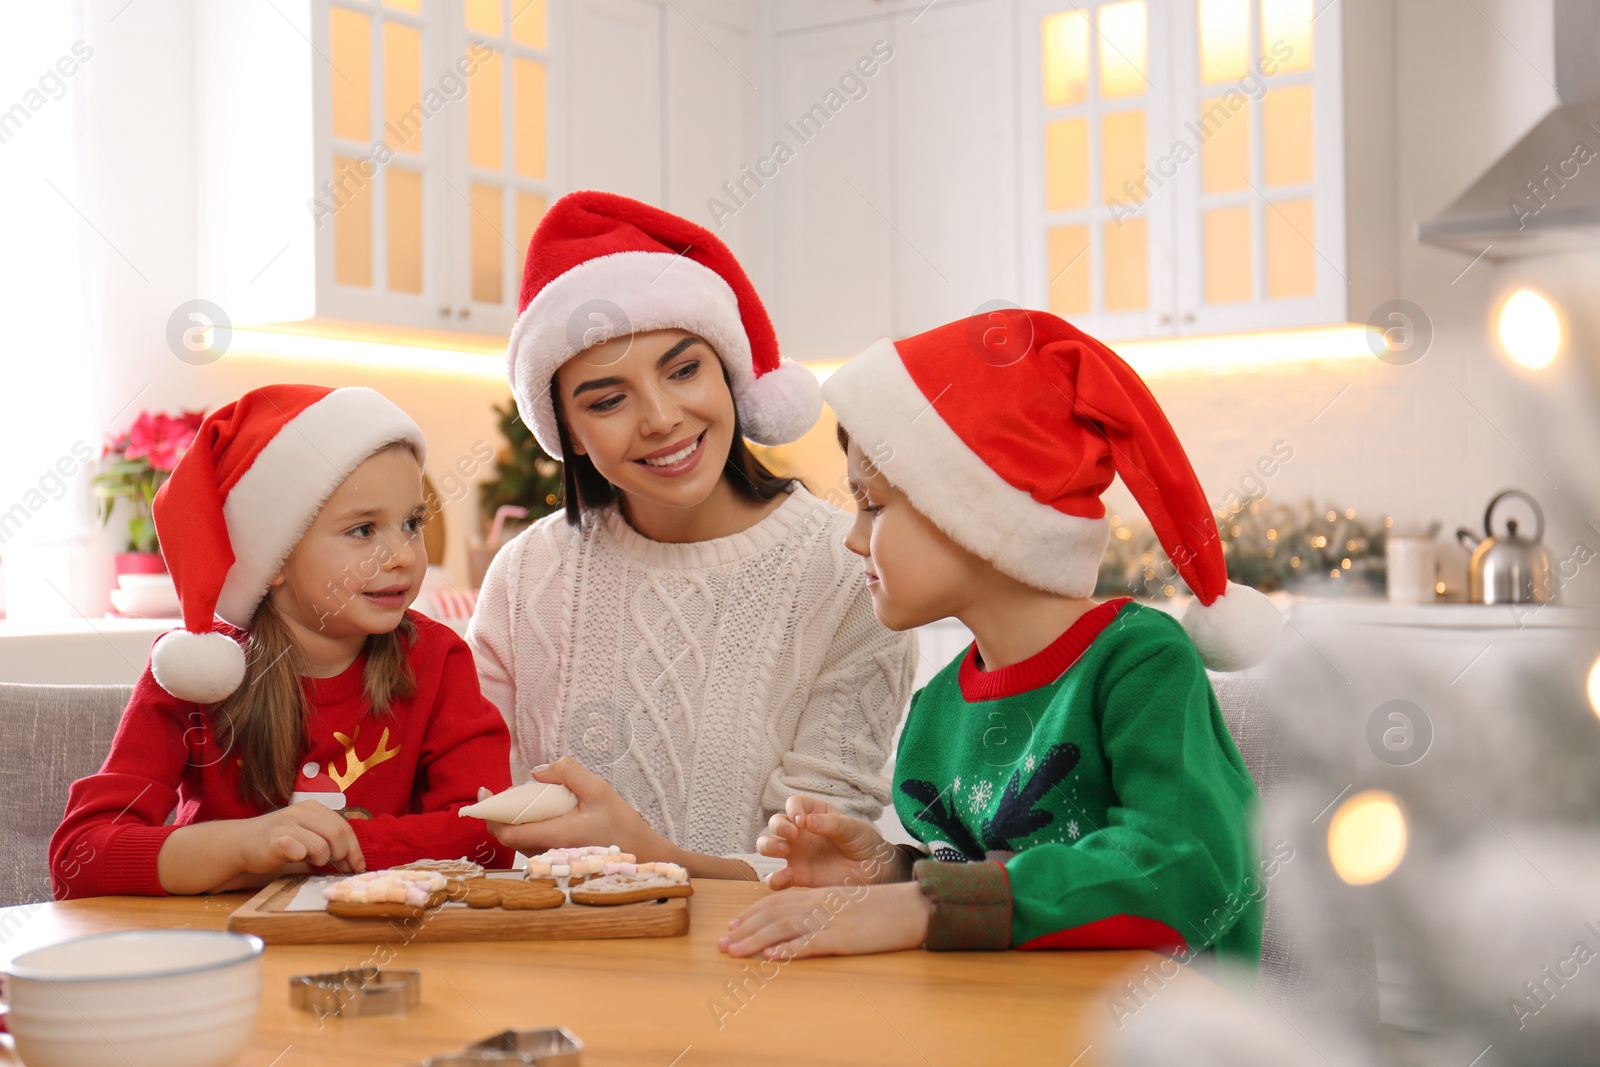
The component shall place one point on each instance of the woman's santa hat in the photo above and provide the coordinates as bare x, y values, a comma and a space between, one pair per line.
238, 502
1005, 428
602, 266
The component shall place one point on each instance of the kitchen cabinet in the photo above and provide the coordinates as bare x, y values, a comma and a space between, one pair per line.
383, 163
373, 162
1207, 166
891, 198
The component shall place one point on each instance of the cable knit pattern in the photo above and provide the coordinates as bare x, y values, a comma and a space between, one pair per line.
707, 681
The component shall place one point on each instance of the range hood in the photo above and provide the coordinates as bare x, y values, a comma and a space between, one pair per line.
1543, 196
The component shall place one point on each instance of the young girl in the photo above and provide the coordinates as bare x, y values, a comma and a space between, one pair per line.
690, 634
1070, 774
323, 725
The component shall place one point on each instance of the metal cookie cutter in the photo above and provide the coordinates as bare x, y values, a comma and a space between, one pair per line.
374, 992
551, 1047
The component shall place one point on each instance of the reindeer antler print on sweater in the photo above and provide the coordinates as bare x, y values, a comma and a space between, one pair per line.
354, 766
944, 818
1015, 818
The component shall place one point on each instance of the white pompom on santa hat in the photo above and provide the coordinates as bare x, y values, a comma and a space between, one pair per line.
1005, 428
238, 502
602, 265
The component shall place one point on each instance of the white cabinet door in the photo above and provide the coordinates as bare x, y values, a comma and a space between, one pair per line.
372, 164
955, 162
713, 99
500, 178
1258, 99
831, 193
1098, 225
615, 111
380, 164
809, 14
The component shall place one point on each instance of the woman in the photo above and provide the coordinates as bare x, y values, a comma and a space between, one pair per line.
690, 635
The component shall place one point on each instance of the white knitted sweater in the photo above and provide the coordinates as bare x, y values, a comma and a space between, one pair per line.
706, 681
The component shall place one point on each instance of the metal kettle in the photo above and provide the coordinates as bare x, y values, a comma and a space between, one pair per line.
1508, 568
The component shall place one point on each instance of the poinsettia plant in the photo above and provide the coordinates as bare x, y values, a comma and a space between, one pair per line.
135, 464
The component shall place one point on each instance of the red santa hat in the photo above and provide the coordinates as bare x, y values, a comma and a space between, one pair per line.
315, 783
1005, 428
238, 502
602, 266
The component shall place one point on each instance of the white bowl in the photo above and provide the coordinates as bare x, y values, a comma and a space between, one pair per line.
146, 998
148, 603
147, 581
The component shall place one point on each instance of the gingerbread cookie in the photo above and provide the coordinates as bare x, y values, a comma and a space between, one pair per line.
521, 896
392, 894
458, 870
572, 866
480, 893
610, 889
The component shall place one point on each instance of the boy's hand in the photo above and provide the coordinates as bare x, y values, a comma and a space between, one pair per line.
824, 847
827, 922
309, 832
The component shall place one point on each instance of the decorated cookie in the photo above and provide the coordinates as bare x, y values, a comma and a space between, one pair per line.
571, 866
385, 894
608, 889
459, 870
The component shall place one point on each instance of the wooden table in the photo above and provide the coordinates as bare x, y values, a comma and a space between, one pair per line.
655, 1002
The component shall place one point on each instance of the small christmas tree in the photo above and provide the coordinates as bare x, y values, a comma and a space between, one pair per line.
525, 475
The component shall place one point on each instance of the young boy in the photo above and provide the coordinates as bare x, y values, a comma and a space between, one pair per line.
1070, 774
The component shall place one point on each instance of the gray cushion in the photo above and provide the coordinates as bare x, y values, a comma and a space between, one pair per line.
1283, 975
54, 735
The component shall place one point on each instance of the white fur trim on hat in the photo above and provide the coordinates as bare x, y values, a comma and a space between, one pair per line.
781, 405
274, 501
899, 431
1236, 630
205, 668
613, 296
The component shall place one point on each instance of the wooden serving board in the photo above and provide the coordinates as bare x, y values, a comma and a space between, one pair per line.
266, 916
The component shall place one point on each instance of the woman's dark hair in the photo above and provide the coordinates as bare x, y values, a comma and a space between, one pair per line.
584, 488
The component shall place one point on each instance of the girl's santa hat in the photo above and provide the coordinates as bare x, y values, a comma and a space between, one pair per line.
314, 783
238, 502
602, 266
1005, 428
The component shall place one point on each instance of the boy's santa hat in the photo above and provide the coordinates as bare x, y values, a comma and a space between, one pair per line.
238, 502
602, 266
1005, 428
314, 783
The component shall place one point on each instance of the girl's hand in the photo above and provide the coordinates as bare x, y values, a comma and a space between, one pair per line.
309, 832
824, 847
831, 922
602, 817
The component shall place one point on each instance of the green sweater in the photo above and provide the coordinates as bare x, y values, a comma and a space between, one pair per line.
1100, 783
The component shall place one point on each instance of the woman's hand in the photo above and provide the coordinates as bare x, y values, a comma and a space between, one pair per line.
831, 922
824, 847
602, 817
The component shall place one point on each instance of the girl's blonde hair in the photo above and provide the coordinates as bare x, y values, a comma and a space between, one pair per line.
263, 723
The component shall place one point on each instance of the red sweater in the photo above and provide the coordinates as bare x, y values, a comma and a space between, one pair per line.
412, 770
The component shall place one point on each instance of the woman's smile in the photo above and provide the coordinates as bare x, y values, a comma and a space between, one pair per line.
676, 459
